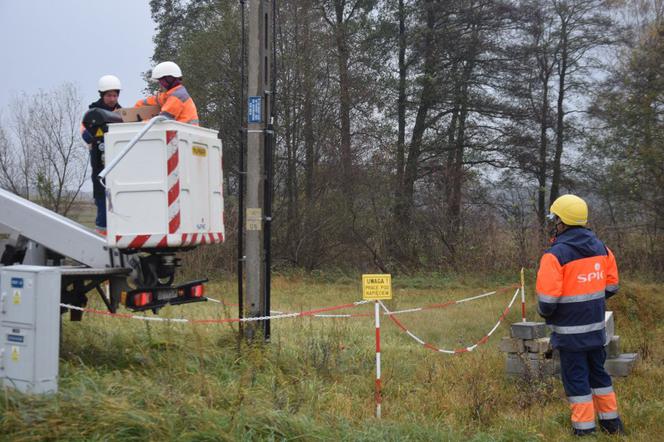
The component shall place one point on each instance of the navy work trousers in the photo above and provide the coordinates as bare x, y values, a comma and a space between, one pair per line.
100, 221
589, 389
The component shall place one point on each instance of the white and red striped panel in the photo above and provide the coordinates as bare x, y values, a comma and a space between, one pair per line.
172, 143
162, 241
378, 393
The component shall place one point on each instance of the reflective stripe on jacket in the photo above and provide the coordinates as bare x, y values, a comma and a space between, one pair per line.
175, 104
575, 277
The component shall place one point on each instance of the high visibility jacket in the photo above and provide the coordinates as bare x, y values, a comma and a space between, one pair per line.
175, 104
576, 275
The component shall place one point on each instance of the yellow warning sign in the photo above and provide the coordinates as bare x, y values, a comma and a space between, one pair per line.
100, 133
16, 352
199, 151
375, 287
254, 219
16, 299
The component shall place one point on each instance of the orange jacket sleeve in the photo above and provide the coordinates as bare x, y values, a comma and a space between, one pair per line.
148, 101
612, 279
549, 285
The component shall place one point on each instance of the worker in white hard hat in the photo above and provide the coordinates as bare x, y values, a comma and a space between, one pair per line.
173, 98
109, 88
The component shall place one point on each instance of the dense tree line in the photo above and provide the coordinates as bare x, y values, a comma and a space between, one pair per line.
429, 134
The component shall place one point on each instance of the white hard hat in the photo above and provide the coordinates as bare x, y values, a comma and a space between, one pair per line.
165, 69
109, 83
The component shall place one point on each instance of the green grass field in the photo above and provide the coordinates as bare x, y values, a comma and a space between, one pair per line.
125, 379
84, 212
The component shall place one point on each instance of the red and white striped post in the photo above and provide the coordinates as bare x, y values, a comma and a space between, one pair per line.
523, 296
378, 392
376, 287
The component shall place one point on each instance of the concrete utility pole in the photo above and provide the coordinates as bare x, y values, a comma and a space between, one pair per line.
259, 84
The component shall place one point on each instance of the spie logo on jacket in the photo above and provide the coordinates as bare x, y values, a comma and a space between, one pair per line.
597, 275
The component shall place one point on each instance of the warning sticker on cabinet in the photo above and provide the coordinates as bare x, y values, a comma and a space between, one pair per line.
16, 353
199, 150
16, 299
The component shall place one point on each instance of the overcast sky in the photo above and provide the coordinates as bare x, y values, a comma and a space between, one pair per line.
44, 43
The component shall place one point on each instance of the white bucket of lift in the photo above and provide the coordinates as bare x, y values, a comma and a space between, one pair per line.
167, 191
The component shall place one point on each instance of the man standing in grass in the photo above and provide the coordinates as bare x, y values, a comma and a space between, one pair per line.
576, 276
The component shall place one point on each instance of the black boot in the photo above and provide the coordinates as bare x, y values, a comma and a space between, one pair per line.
612, 426
587, 432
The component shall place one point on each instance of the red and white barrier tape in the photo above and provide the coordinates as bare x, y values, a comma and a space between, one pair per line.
213, 321
277, 312
396, 312
458, 350
357, 315
449, 303
441, 305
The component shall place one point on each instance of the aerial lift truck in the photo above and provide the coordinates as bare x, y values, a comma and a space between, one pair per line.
164, 196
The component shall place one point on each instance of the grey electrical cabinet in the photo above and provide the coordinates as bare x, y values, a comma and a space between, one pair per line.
29, 328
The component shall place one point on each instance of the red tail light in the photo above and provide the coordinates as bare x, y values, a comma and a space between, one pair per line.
142, 299
197, 291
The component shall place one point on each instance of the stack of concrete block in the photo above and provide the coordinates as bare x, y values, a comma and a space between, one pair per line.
529, 351
609, 327
617, 363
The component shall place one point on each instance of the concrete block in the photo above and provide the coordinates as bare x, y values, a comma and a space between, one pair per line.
613, 348
540, 345
529, 330
537, 366
536, 356
609, 326
515, 365
622, 365
511, 345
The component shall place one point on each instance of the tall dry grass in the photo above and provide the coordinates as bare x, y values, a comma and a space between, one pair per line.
129, 380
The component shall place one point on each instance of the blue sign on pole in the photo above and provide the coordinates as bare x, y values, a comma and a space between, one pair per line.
254, 109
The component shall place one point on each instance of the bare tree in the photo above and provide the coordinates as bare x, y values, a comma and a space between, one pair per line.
9, 172
43, 157
583, 25
544, 52
18, 161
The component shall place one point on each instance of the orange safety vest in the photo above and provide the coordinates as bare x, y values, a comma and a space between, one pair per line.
176, 103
